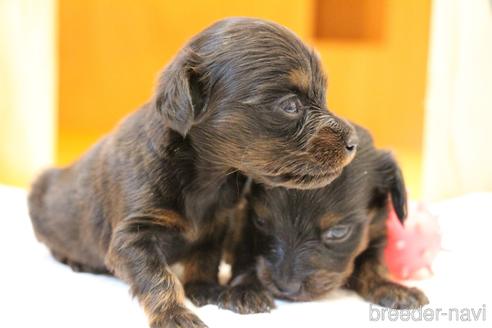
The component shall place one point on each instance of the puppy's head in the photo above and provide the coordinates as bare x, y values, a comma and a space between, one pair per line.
251, 96
307, 240
305, 249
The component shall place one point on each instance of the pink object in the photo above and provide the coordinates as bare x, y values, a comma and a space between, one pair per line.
412, 248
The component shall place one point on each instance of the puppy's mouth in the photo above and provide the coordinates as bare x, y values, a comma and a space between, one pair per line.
302, 181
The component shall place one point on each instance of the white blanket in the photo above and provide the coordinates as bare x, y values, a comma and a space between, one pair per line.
37, 291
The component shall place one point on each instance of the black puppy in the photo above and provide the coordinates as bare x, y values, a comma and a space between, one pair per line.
245, 97
301, 244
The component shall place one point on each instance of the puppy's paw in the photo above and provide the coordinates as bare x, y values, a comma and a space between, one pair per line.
202, 293
246, 299
179, 318
395, 296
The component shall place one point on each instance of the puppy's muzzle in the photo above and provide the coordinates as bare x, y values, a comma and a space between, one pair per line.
335, 143
351, 142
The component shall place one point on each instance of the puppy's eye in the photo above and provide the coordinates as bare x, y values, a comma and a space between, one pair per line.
291, 105
337, 233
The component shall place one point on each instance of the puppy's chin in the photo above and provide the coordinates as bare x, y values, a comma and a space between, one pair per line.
294, 181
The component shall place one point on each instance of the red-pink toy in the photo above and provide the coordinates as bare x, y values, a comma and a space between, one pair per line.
412, 248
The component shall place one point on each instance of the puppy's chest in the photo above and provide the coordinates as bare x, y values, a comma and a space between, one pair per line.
210, 212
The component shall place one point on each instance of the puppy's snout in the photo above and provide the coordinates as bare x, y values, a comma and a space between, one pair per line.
335, 143
284, 279
351, 142
287, 287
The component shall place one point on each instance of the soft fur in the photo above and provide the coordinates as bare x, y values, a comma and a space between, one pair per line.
283, 251
245, 97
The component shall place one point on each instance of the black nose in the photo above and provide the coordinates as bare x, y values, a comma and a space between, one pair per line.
288, 287
351, 142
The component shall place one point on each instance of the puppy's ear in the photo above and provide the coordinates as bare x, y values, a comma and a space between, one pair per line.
179, 96
393, 181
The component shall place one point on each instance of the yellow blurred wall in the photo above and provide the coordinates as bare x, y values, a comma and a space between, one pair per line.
110, 54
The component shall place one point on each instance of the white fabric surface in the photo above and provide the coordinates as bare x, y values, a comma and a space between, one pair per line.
37, 291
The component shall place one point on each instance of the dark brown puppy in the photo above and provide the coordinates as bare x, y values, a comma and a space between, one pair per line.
243, 97
301, 244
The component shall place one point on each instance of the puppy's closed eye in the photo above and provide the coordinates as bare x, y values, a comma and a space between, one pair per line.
336, 234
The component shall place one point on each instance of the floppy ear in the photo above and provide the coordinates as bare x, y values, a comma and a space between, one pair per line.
179, 97
393, 180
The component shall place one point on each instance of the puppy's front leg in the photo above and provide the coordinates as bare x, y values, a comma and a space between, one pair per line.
138, 254
369, 281
246, 295
201, 269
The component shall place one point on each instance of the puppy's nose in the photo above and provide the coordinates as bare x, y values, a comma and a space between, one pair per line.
288, 287
351, 142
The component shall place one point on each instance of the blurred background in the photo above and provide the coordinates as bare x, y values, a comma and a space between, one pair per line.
417, 73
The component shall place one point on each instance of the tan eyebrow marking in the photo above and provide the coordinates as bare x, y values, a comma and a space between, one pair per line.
328, 220
300, 78
261, 210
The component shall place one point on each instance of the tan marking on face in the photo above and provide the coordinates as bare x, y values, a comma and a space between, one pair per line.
327, 148
363, 243
300, 78
371, 213
319, 284
377, 229
261, 210
329, 220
